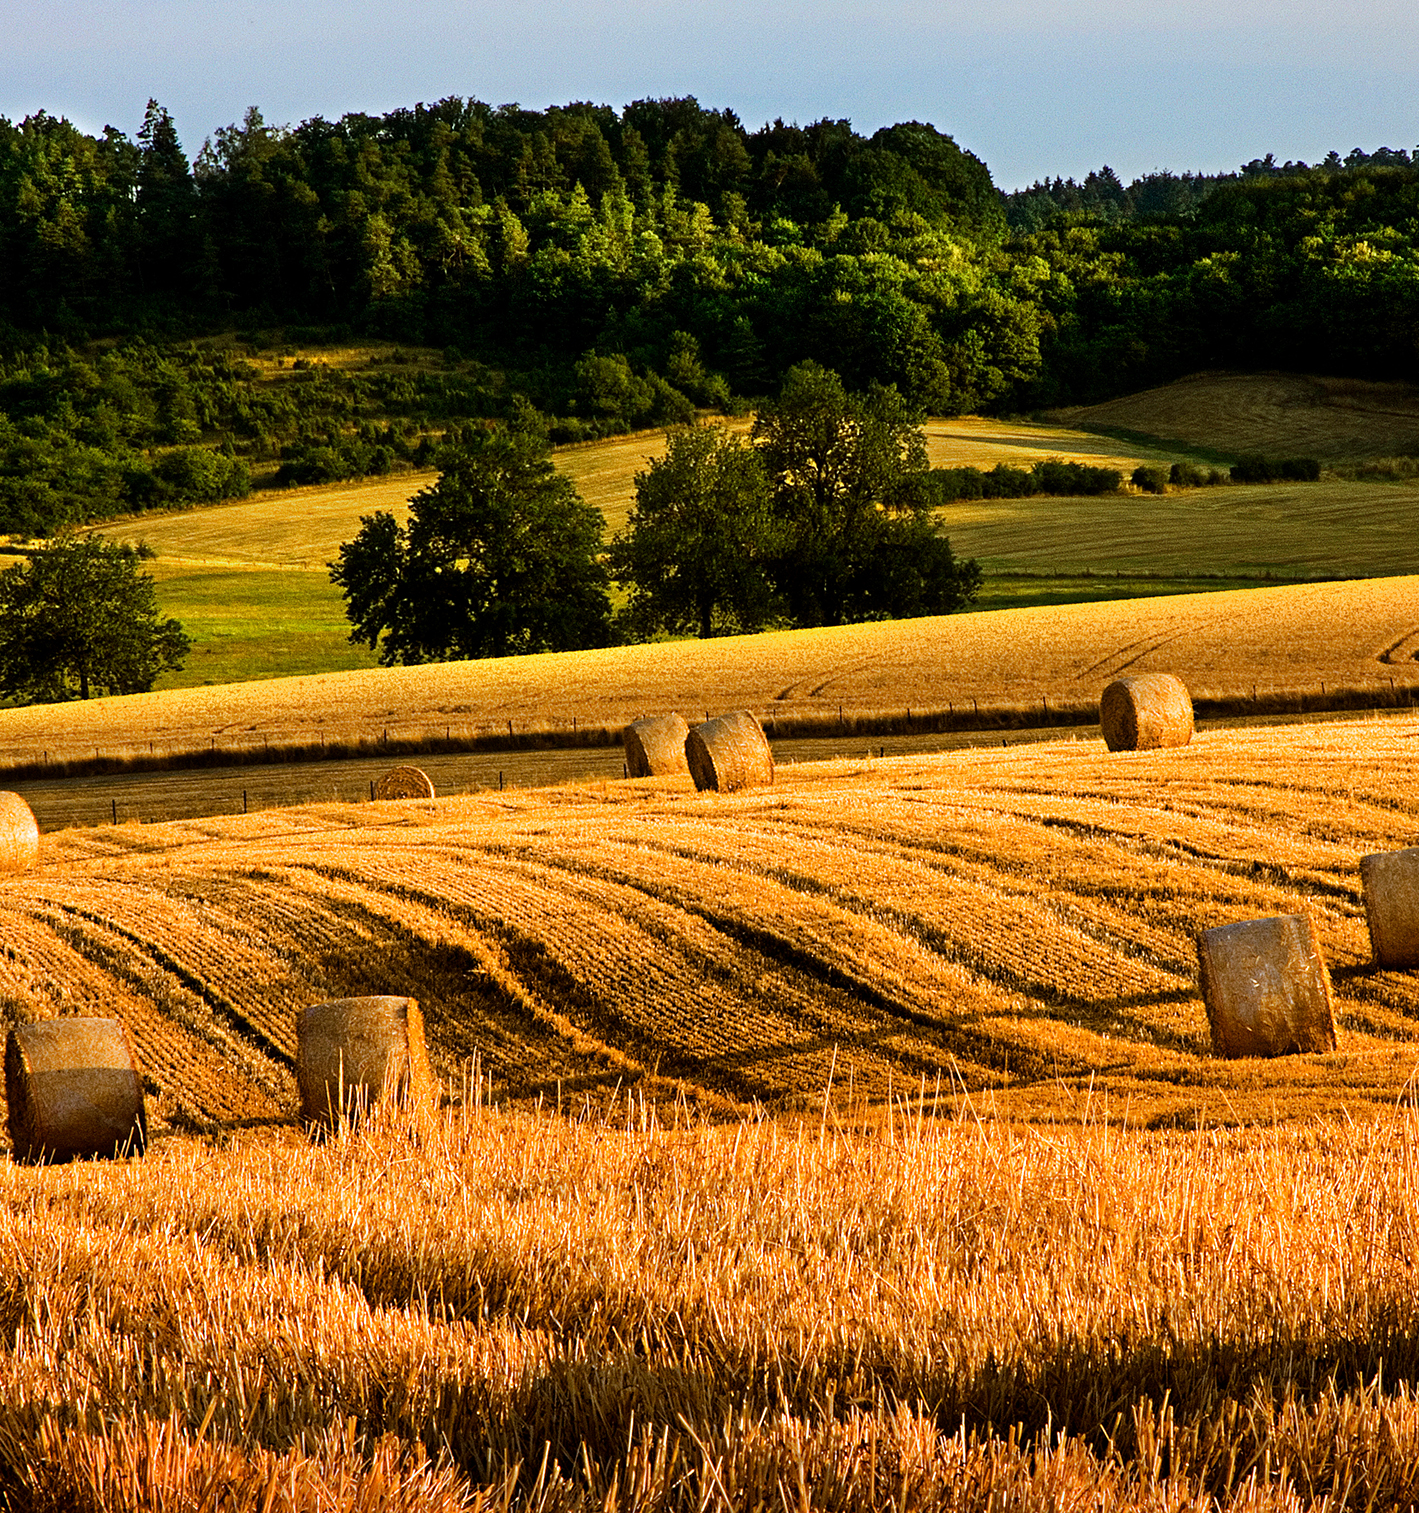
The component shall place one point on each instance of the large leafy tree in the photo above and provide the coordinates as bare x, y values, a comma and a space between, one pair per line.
700, 537
81, 619
848, 472
500, 557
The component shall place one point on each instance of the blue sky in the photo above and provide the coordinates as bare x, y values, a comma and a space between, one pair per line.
1033, 89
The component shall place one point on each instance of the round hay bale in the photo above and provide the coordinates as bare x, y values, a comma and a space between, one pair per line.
1266, 987
19, 835
728, 753
73, 1089
1391, 883
404, 783
1145, 712
656, 747
352, 1053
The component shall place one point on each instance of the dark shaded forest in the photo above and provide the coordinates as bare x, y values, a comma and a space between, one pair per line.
582, 270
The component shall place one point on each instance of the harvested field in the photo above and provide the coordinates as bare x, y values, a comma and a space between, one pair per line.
977, 441
1276, 414
1018, 924
281, 528
1054, 658
1012, 1237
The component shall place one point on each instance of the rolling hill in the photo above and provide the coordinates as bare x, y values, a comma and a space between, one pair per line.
1305, 639
1013, 926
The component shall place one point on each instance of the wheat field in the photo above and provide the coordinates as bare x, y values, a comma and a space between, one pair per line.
850, 1143
1302, 638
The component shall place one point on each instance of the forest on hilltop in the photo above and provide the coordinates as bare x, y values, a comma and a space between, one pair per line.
582, 270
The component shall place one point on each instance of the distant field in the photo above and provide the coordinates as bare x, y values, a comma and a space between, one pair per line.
1335, 528
304, 527
1034, 551
977, 441
1277, 414
252, 622
1360, 634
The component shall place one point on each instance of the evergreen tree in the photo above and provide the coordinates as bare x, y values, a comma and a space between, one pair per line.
167, 205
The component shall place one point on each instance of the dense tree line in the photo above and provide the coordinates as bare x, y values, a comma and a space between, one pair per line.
1102, 196
582, 270
573, 230
1314, 271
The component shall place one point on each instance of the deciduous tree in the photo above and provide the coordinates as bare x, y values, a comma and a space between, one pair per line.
81, 619
500, 557
700, 537
848, 474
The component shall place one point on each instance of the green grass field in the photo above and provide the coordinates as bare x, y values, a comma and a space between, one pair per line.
247, 579
1335, 528
256, 623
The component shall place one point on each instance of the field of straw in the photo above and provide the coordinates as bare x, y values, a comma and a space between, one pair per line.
1302, 640
1014, 926
851, 1143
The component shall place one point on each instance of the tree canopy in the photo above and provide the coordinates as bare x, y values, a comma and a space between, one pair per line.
80, 619
500, 557
849, 480
701, 538
582, 270
827, 516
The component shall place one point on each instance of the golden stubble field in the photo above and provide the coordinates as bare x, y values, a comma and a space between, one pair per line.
1295, 638
1015, 927
851, 1143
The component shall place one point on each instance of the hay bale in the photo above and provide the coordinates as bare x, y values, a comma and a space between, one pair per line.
656, 747
404, 783
728, 753
73, 1089
1391, 882
19, 835
352, 1053
1145, 712
1266, 987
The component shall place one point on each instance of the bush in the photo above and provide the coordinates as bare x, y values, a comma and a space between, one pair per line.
1055, 477
1254, 468
1187, 475
194, 475
1299, 469
1005, 482
1152, 480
